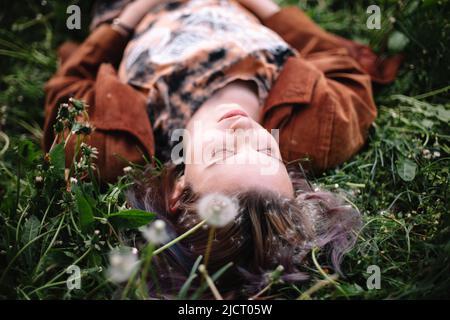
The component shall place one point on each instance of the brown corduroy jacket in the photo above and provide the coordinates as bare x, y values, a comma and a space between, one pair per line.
321, 102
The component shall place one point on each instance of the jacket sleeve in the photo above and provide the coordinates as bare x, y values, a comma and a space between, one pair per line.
297, 29
85, 73
322, 101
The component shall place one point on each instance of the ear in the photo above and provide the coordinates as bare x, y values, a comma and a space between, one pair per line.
180, 184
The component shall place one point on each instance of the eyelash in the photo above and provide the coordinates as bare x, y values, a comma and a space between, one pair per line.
215, 152
269, 153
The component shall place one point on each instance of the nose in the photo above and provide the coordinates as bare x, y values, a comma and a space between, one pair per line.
243, 135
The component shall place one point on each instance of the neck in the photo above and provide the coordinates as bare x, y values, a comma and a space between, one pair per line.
240, 92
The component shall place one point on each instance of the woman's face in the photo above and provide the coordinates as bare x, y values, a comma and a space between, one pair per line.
227, 151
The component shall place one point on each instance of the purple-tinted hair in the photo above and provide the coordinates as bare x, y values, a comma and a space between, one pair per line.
269, 231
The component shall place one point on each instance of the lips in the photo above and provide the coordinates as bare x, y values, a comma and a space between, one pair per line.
233, 113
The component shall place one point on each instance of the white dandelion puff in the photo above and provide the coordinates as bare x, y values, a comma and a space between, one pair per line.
156, 233
218, 210
123, 262
127, 169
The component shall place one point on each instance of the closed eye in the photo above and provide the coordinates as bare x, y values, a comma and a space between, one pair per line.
223, 153
270, 153
267, 151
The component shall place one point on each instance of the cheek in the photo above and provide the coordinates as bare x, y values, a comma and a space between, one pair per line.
288, 186
195, 176
190, 174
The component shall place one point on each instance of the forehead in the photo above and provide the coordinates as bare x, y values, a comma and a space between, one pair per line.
230, 178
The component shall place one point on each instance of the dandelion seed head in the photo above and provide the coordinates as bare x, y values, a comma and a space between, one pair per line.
127, 169
155, 233
218, 210
123, 262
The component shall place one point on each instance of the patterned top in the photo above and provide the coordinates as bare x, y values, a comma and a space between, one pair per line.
185, 50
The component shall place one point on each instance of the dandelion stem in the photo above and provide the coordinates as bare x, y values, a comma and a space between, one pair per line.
178, 239
209, 245
261, 292
210, 283
128, 286
54, 142
66, 139
148, 258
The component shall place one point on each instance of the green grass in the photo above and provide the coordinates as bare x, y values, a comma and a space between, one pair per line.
400, 181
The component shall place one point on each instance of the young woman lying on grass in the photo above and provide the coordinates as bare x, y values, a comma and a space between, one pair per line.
229, 73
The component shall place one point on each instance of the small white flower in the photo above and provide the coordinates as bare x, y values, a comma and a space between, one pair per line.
94, 153
156, 233
218, 210
127, 169
39, 179
426, 154
123, 262
73, 180
436, 154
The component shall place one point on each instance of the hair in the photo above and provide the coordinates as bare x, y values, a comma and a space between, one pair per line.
269, 230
